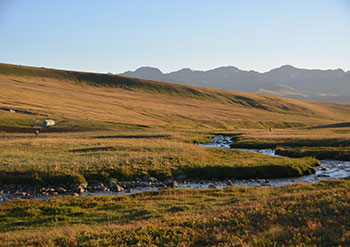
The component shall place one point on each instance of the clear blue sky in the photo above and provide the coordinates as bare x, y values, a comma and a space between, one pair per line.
119, 35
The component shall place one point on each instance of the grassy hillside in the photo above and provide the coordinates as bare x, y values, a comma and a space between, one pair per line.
112, 127
105, 99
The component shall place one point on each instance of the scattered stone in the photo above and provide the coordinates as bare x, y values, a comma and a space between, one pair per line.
115, 187
83, 185
229, 182
61, 190
212, 186
172, 184
100, 187
324, 169
75, 194
79, 190
148, 178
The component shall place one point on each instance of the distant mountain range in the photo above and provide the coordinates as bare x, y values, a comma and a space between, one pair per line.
286, 81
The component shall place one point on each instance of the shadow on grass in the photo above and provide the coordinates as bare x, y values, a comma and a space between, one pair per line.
336, 125
133, 136
93, 149
265, 171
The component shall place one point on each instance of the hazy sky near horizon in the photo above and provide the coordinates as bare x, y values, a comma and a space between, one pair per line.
119, 35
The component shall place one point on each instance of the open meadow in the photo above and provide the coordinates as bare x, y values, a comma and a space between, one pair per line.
113, 128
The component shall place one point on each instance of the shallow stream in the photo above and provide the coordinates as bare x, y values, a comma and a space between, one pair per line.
330, 169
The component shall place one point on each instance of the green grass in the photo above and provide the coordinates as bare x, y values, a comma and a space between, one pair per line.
299, 215
290, 142
77, 156
335, 153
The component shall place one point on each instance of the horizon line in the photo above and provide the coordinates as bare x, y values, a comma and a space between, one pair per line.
195, 70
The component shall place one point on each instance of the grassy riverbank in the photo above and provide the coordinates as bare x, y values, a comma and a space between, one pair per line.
298, 215
323, 142
90, 157
321, 153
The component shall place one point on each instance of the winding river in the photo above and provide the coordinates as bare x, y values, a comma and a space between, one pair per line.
330, 169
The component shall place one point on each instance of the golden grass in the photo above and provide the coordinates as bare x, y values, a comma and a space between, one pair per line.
65, 99
299, 215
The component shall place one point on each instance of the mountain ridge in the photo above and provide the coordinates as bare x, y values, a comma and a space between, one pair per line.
307, 84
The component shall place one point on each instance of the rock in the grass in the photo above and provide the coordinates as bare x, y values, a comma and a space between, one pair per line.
75, 194
148, 178
48, 122
212, 186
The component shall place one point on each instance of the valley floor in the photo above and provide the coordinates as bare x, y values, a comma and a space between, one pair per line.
111, 129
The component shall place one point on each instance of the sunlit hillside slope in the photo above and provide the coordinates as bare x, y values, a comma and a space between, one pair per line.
106, 100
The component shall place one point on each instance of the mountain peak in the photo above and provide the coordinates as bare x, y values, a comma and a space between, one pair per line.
309, 83
147, 69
